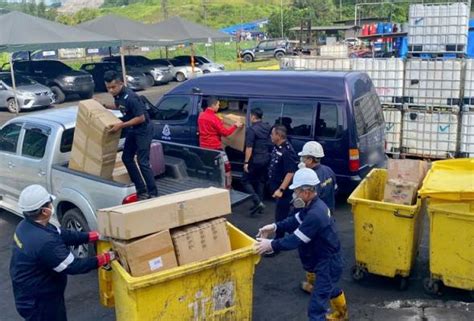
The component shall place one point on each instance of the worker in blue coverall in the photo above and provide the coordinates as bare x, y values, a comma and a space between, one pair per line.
312, 230
310, 157
41, 258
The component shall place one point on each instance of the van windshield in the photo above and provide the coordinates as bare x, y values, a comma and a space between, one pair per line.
368, 113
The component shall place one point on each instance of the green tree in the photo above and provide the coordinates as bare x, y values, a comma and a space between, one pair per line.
291, 18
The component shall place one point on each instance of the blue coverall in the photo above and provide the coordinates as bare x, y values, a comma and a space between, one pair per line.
327, 187
313, 232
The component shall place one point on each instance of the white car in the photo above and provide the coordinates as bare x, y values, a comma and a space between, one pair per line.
180, 70
206, 65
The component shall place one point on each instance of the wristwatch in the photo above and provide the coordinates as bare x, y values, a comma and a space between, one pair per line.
281, 190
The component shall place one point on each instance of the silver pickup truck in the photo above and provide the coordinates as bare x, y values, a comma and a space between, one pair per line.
35, 149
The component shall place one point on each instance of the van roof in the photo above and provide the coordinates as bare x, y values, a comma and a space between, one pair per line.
313, 84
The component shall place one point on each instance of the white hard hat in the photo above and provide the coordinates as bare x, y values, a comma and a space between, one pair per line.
304, 177
312, 149
33, 197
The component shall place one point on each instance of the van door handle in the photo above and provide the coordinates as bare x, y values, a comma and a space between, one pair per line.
11, 165
41, 173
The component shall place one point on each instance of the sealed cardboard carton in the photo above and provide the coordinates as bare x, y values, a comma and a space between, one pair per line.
94, 147
400, 192
237, 139
201, 241
147, 255
133, 220
407, 170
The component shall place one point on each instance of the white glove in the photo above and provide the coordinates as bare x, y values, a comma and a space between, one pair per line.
265, 231
263, 246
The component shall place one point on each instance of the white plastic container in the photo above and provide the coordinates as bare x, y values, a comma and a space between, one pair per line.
387, 77
315, 63
433, 83
393, 130
469, 83
431, 134
335, 51
438, 28
467, 134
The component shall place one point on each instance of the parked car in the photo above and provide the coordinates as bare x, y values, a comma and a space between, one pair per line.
180, 70
205, 64
35, 149
29, 93
62, 79
340, 110
136, 80
157, 74
276, 48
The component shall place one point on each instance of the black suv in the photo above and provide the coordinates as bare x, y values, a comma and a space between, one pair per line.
62, 79
265, 49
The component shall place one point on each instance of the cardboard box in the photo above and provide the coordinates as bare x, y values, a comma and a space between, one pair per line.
201, 241
94, 148
133, 220
400, 192
407, 170
237, 139
151, 254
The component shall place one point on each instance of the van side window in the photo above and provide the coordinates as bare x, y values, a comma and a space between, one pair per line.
271, 111
298, 118
368, 113
174, 108
34, 143
326, 120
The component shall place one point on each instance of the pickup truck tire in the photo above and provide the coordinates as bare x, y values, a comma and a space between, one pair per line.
180, 77
59, 96
74, 220
12, 106
87, 95
279, 55
247, 58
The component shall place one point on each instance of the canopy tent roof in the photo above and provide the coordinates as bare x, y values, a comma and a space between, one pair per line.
129, 32
22, 32
183, 31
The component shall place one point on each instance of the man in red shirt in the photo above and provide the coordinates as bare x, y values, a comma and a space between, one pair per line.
211, 128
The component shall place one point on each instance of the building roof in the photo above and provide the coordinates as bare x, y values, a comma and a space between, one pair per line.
325, 85
326, 28
363, 20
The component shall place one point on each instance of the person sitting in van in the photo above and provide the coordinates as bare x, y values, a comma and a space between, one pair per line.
211, 128
257, 157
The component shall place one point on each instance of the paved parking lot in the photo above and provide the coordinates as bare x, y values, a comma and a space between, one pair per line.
277, 296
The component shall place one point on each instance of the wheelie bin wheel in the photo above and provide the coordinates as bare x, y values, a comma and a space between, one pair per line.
358, 273
432, 287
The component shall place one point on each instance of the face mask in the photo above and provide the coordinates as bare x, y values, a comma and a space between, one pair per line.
298, 201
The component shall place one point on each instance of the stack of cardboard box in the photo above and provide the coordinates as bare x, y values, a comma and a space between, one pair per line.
94, 147
164, 232
237, 139
405, 176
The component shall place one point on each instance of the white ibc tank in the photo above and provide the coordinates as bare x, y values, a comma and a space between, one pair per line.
467, 134
430, 134
469, 83
393, 129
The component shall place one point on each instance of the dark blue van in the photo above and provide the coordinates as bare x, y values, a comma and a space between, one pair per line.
340, 110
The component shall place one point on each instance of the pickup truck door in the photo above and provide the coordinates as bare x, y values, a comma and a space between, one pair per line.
9, 147
175, 119
34, 156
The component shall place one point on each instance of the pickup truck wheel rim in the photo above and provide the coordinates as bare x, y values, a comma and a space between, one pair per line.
79, 250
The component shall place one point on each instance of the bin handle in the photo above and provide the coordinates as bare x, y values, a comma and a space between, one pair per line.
398, 214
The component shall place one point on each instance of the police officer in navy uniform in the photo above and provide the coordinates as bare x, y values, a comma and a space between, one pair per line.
283, 165
313, 232
139, 134
41, 258
257, 156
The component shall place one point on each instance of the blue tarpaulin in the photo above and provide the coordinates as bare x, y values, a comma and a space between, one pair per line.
247, 27
470, 40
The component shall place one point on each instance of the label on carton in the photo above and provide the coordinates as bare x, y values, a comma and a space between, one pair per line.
156, 263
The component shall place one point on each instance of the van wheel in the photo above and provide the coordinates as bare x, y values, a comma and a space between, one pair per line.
59, 96
12, 106
180, 77
247, 58
75, 221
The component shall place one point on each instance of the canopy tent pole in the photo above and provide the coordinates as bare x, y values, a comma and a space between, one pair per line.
12, 72
110, 51
192, 58
166, 52
122, 60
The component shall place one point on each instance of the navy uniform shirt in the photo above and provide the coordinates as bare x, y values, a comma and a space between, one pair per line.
131, 106
41, 260
327, 187
257, 137
313, 233
283, 160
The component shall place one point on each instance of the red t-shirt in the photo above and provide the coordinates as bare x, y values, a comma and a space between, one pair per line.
211, 129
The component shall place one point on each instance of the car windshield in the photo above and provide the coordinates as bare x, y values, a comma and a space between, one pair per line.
203, 60
142, 60
19, 80
56, 66
176, 62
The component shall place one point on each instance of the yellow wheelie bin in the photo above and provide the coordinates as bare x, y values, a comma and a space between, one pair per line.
449, 187
220, 288
386, 235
